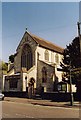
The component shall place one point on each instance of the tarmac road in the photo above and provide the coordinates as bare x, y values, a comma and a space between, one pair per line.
25, 110
0, 110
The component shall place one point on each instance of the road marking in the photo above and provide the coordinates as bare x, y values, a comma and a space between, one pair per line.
5, 115
29, 104
23, 115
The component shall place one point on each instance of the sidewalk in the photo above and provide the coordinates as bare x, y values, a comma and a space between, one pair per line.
42, 102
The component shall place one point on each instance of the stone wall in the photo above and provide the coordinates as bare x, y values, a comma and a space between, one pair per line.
48, 86
51, 61
29, 74
27, 39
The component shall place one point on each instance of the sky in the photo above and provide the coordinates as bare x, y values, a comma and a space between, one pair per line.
80, 11
40, 0
52, 21
0, 30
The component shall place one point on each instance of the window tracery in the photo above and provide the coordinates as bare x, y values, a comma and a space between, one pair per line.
27, 57
44, 74
46, 55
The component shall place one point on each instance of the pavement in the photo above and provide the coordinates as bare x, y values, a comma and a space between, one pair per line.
43, 102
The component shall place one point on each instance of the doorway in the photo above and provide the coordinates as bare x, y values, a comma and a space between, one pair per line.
31, 88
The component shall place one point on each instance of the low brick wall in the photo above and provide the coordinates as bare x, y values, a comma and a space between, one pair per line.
59, 97
16, 94
55, 96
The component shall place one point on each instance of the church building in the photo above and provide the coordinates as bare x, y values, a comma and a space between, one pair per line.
35, 65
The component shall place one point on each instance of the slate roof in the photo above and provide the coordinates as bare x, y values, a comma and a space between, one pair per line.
47, 44
44, 43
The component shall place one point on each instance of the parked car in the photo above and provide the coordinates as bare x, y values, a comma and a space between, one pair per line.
1, 96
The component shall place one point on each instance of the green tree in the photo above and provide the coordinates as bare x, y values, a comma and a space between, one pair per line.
3, 66
11, 58
73, 51
72, 59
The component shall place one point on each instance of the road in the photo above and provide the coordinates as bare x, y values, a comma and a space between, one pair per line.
24, 110
0, 110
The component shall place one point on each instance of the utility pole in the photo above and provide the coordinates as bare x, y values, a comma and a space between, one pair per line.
78, 24
79, 82
71, 102
70, 70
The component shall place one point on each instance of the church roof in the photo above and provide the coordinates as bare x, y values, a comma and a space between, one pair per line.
45, 44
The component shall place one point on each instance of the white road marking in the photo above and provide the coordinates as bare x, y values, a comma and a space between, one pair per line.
23, 115
5, 115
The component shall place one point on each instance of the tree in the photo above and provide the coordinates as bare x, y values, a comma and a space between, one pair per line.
11, 58
73, 50
3, 66
73, 61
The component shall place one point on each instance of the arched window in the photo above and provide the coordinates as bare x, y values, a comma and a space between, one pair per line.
44, 74
46, 55
26, 57
56, 58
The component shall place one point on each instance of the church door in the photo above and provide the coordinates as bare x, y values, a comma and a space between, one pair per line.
31, 88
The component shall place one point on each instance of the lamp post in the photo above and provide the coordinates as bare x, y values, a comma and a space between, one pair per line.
71, 86
78, 24
71, 94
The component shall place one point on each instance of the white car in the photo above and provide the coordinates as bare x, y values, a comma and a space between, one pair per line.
1, 96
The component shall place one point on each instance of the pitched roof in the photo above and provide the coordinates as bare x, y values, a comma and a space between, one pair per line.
47, 44
44, 43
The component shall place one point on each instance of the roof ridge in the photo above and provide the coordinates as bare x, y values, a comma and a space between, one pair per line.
45, 41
